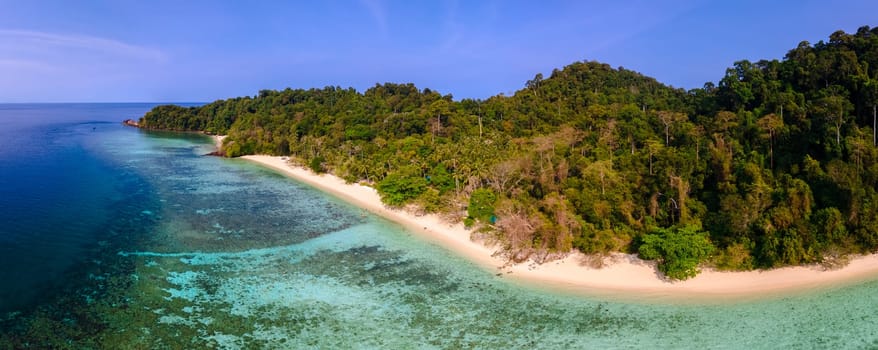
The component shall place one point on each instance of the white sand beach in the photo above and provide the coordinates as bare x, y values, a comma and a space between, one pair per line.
625, 275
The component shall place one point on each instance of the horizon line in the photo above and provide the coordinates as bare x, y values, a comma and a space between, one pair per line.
96, 102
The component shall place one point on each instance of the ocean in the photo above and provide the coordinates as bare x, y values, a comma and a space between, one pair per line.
114, 237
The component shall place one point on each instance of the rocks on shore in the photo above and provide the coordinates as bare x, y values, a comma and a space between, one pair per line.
217, 153
131, 122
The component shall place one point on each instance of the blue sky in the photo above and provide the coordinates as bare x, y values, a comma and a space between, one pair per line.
125, 50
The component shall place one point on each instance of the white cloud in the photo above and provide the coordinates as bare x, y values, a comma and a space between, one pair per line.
21, 41
52, 66
16, 64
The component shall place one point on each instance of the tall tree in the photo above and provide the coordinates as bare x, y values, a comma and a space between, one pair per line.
668, 119
770, 124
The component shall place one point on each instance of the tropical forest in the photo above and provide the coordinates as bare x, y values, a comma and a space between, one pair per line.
775, 164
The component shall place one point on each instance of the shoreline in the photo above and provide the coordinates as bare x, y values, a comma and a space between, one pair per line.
624, 277
218, 141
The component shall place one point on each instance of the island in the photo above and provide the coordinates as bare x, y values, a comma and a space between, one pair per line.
774, 166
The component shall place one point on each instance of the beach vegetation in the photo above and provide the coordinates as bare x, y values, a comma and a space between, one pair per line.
399, 188
316, 164
776, 162
678, 250
481, 205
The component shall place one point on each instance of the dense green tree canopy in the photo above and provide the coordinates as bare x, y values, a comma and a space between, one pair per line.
776, 163
679, 251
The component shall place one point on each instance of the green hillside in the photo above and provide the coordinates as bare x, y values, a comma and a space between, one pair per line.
775, 165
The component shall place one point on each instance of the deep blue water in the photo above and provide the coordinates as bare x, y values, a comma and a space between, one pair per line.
56, 192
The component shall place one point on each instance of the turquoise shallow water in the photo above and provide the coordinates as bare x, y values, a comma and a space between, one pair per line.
177, 250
